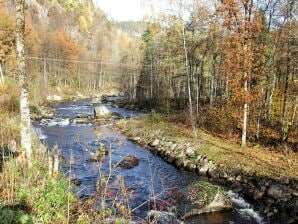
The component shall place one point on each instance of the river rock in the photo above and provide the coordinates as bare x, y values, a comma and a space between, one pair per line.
205, 197
159, 217
99, 153
80, 115
190, 152
76, 182
170, 159
102, 112
279, 192
116, 220
94, 101
203, 170
136, 139
213, 172
129, 162
81, 120
154, 143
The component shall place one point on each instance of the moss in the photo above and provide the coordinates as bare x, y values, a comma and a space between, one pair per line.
202, 193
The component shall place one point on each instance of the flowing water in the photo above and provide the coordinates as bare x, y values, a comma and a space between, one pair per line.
152, 176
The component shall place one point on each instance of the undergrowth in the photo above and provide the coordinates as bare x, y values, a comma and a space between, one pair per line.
31, 195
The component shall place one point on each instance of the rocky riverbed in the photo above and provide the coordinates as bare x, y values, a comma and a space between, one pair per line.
277, 199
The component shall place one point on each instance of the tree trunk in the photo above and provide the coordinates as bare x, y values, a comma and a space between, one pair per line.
24, 103
245, 109
245, 106
293, 118
188, 80
1, 76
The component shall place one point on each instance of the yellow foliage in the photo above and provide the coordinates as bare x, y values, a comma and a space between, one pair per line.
83, 23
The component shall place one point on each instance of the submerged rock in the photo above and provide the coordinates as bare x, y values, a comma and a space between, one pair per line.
76, 182
99, 153
129, 162
159, 217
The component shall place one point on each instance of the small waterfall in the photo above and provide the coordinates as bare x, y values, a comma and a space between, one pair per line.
245, 209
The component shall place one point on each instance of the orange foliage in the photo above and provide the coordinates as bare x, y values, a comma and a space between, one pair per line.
6, 35
242, 25
65, 46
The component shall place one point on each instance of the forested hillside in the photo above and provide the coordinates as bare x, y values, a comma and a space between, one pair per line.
67, 45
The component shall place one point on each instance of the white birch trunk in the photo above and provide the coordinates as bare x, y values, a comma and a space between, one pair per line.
245, 109
24, 104
1, 76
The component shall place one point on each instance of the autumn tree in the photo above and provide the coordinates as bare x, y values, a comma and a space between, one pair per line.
242, 24
6, 39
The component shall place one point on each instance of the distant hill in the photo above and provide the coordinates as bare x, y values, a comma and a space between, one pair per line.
135, 28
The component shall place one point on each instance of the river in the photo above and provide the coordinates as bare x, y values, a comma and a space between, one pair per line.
153, 176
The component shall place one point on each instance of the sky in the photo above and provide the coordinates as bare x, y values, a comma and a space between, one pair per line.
123, 10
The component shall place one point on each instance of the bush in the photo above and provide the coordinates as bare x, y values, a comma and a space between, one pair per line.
51, 204
14, 215
47, 197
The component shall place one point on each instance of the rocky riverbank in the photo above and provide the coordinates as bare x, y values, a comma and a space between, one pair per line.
276, 197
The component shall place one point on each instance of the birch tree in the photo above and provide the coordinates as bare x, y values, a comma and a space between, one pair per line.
24, 103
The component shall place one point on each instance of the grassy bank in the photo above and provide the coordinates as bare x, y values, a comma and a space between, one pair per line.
31, 195
251, 160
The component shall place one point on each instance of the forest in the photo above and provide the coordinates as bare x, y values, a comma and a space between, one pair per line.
189, 115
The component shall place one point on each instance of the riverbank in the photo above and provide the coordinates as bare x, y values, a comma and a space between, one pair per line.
35, 194
266, 177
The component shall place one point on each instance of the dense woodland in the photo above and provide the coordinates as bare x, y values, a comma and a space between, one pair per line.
231, 66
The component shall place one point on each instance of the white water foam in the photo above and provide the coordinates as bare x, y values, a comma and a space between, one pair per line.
55, 122
40, 134
245, 209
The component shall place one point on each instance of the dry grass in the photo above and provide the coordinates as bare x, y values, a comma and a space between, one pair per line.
251, 160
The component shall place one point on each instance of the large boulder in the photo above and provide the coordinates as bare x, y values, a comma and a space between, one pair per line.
159, 217
203, 197
102, 112
129, 162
